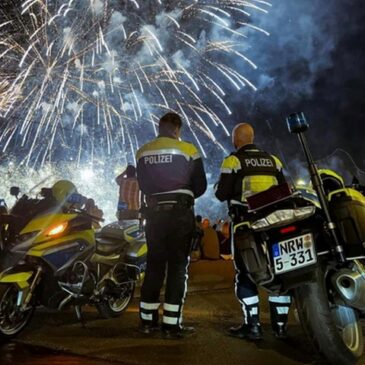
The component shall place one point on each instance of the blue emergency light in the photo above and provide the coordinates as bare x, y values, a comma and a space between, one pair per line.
76, 198
297, 123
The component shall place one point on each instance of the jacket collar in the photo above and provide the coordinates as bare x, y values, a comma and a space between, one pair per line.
247, 147
166, 136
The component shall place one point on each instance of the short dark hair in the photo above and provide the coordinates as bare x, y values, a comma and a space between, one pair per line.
130, 171
169, 123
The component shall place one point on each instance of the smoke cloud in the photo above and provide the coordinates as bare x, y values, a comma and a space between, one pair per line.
311, 62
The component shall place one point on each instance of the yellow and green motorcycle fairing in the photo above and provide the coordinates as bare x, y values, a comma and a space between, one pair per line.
58, 250
77, 241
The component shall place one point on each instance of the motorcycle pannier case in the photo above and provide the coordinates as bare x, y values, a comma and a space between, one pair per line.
252, 254
347, 207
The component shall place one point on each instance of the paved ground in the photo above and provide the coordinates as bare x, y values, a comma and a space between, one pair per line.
15, 353
210, 312
55, 338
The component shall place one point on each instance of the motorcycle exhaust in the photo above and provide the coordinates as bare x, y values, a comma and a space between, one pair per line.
351, 287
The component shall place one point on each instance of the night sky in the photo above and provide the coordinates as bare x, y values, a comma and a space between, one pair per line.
312, 62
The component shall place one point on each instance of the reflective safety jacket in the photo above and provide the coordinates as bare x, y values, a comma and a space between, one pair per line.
248, 171
167, 165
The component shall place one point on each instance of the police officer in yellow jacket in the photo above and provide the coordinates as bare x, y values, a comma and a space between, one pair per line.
247, 171
170, 173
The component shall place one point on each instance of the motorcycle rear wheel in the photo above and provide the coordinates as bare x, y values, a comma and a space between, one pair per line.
334, 330
12, 321
114, 306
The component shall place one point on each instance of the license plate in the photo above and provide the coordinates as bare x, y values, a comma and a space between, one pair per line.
294, 253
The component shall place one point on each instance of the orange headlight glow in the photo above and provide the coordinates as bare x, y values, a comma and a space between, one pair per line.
54, 231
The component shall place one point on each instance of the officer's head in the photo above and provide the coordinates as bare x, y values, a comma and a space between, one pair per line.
130, 171
242, 135
170, 125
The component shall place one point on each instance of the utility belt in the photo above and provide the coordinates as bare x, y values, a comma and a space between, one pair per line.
167, 202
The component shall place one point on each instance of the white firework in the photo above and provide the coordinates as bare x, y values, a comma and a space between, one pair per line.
88, 79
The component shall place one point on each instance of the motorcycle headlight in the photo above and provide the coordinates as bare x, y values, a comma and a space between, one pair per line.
283, 217
57, 229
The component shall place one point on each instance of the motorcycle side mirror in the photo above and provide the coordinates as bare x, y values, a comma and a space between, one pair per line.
297, 123
14, 191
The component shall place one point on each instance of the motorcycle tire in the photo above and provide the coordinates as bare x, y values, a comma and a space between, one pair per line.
321, 321
107, 310
8, 298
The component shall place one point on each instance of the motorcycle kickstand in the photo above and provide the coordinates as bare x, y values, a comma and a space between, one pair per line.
80, 316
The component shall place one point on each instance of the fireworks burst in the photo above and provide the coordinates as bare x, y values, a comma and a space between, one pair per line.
82, 78
87, 178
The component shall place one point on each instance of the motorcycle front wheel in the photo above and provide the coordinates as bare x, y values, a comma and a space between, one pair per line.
335, 330
114, 305
12, 320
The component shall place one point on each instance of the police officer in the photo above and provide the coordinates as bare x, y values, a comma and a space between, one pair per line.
247, 171
170, 173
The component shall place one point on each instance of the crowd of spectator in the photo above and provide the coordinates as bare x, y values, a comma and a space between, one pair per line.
212, 240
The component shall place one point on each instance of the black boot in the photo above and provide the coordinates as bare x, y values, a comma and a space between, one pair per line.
251, 332
151, 325
148, 328
279, 309
280, 331
176, 333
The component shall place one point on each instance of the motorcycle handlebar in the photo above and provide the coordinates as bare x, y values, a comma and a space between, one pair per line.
84, 212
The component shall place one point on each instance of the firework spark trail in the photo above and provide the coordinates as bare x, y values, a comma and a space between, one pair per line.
87, 179
81, 78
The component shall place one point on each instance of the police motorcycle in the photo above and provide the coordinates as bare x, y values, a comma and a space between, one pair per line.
311, 245
64, 263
